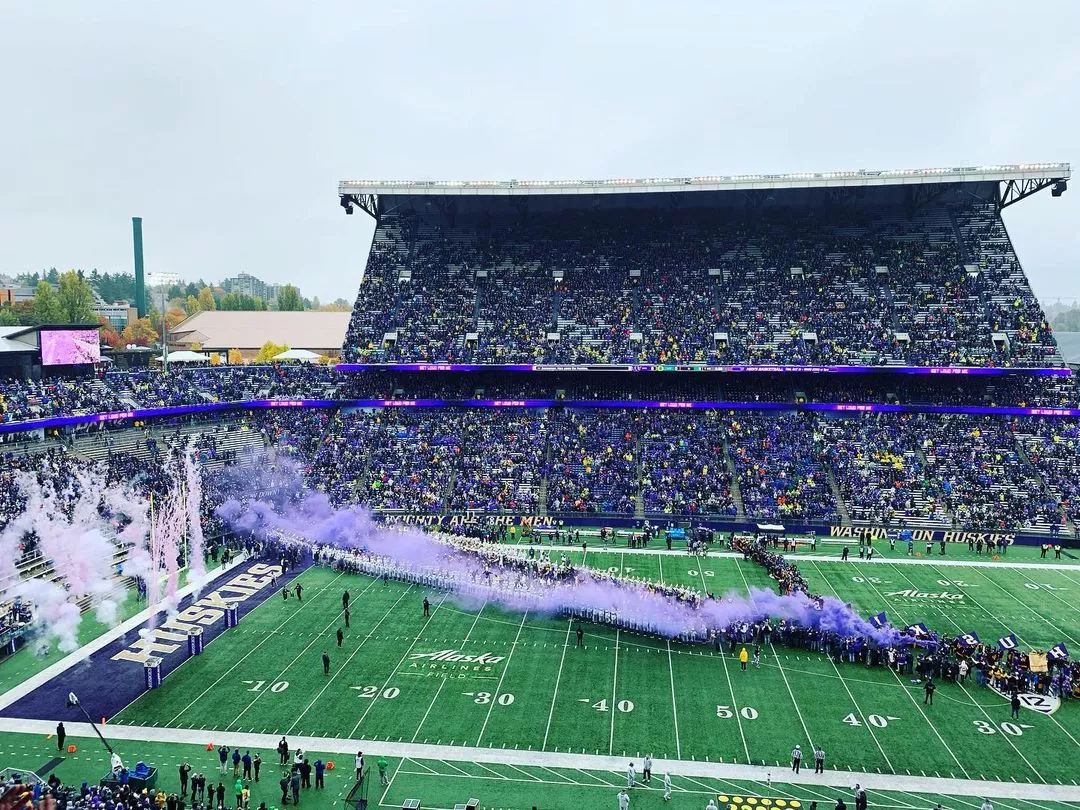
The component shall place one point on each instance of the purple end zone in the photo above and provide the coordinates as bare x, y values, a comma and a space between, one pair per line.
106, 685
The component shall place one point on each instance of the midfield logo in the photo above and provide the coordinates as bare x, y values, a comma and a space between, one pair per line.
457, 656
916, 594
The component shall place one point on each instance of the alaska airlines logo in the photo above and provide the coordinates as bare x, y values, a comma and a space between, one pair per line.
456, 656
912, 593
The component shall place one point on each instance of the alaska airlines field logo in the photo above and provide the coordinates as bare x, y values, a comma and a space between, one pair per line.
452, 664
912, 593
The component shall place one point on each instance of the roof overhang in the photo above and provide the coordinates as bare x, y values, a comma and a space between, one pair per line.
1020, 173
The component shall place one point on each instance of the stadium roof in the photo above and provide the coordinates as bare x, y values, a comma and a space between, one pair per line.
10, 341
1019, 173
221, 330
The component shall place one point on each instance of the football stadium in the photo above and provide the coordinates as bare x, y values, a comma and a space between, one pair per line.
757, 490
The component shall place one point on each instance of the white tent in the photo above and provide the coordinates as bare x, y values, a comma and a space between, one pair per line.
298, 354
185, 356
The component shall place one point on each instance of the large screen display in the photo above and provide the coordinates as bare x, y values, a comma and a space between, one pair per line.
70, 347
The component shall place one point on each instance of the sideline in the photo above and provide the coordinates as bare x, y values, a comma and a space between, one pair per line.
818, 557
1034, 791
78, 656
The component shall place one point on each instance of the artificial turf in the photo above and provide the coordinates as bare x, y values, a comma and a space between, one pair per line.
626, 694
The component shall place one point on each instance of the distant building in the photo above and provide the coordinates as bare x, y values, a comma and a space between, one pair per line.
249, 285
9, 296
162, 279
219, 331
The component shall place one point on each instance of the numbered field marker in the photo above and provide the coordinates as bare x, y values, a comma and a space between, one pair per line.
389, 693
277, 687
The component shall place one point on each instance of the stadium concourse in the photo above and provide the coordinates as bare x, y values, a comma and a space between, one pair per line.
585, 382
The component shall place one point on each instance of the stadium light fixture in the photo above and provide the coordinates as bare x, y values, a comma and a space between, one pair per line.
1059, 188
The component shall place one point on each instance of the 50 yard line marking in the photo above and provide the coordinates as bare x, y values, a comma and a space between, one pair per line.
558, 677
498, 688
780, 668
735, 704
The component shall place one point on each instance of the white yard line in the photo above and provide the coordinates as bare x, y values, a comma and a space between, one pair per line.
780, 669
1030, 609
993, 616
907, 692
674, 705
735, 707
498, 687
558, 679
442, 682
342, 667
393, 672
614, 684
241, 660
498, 756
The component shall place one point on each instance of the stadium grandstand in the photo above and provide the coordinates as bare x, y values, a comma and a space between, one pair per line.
730, 366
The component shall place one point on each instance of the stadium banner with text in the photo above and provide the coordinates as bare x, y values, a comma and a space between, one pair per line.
696, 367
546, 524
259, 404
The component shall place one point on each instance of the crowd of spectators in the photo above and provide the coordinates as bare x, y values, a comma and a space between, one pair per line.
693, 285
778, 458
22, 400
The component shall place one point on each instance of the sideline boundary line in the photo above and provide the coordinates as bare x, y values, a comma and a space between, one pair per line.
496, 756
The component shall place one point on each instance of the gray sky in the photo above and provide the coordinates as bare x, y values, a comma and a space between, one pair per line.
227, 125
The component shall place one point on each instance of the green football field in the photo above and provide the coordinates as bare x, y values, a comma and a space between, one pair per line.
626, 695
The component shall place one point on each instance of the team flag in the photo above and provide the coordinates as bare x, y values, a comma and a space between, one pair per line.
878, 621
919, 630
1008, 642
1058, 652
969, 639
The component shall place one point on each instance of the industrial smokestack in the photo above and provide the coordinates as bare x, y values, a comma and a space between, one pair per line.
140, 278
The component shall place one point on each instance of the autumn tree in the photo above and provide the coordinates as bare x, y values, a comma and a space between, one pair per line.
47, 304
206, 300
289, 300
76, 298
269, 351
139, 332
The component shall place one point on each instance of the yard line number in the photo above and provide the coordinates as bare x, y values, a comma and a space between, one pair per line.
505, 699
389, 693
871, 580
875, 720
624, 706
276, 687
1012, 729
746, 712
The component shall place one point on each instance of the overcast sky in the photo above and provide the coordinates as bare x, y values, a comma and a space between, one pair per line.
227, 125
